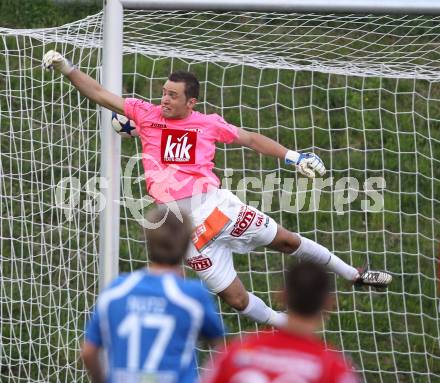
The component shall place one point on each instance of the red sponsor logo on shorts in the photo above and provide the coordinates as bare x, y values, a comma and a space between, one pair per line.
243, 222
260, 218
199, 263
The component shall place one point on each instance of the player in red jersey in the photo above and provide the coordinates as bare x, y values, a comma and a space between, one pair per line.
178, 148
292, 354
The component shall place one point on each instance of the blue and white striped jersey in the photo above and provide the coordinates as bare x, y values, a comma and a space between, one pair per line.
149, 325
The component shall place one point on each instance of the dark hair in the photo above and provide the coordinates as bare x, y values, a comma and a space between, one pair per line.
168, 243
192, 86
308, 286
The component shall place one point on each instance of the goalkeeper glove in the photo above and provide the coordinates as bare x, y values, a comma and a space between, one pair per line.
54, 60
306, 163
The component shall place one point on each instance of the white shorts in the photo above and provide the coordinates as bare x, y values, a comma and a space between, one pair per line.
223, 225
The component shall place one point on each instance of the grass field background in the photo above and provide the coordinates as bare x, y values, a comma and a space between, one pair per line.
360, 126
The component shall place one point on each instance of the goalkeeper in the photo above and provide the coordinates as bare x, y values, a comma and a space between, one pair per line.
178, 146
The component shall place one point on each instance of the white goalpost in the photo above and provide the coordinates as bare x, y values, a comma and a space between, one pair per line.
359, 86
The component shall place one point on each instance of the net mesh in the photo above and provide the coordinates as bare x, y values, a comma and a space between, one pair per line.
361, 91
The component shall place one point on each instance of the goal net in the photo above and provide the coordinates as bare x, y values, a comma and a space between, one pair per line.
361, 91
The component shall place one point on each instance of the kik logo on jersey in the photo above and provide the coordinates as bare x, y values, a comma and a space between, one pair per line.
178, 146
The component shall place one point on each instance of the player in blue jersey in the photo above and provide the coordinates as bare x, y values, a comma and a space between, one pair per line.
149, 321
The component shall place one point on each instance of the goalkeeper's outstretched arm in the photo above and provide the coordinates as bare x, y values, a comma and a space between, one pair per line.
94, 91
86, 85
306, 163
260, 144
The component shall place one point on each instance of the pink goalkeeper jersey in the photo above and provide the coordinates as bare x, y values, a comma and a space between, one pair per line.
178, 154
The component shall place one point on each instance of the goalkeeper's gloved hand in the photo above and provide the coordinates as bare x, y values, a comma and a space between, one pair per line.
306, 163
53, 60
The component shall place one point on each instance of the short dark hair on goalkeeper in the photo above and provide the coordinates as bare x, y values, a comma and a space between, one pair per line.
308, 286
168, 243
192, 85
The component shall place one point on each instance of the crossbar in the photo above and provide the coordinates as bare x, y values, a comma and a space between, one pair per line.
302, 6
